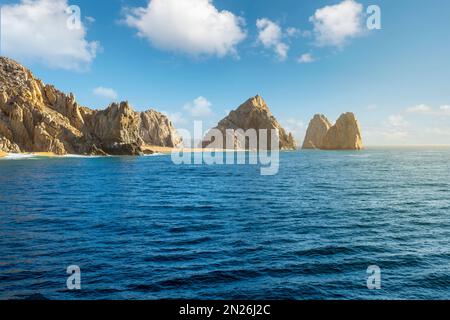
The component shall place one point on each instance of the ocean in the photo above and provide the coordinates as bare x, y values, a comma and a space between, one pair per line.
145, 228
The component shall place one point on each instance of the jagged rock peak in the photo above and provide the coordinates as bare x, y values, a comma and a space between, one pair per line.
255, 102
39, 118
344, 135
252, 114
317, 130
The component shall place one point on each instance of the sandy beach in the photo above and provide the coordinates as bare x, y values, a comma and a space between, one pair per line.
149, 149
157, 149
44, 154
37, 154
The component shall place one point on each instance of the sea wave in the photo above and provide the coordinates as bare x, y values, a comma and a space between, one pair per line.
80, 156
19, 156
155, 154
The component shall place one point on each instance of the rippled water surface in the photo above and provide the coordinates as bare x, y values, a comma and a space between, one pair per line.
144, 228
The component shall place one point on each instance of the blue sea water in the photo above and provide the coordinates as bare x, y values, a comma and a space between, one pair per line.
144, 228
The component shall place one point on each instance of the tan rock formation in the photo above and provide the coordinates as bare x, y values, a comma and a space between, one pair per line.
317, 130
38, 118
253, 114
344, 135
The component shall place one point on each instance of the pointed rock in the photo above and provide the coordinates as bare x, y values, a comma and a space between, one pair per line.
316, 132
344, 135
38, 118
252, 114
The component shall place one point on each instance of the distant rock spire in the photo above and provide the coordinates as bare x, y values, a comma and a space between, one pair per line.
344, 135
317, 130
252, 114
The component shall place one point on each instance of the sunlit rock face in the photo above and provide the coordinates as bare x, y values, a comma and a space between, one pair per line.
344, 135
35, 117
252, 114
316, 132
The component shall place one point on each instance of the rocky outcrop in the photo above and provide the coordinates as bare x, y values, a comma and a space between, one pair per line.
253, 114
317, 130
344, 135
35, 117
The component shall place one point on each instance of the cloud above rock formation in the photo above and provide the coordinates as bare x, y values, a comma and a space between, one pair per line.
195, 27
38, 31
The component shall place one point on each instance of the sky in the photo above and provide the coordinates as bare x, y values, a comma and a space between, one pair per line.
200, 59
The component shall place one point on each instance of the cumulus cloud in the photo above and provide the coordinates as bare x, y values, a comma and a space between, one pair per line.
428, 110
199, 108
293, 32
438, 131
395, 127
397, 121
335, 24
270, 35
445, 109
37, 31
395, 134
296, 127
421, 108
106, 93
306, 58
176, 117
195, 27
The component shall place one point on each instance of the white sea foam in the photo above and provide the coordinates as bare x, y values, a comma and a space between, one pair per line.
19, 156
155, 154
80, 156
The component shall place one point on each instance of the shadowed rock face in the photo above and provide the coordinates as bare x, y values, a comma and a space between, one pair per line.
344, 135
253, 114
317, 130
38, 118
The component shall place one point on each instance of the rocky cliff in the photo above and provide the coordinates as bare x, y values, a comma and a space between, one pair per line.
35, 117
344, 135
253, 114
317, 130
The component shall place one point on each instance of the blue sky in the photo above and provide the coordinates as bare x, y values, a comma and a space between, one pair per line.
303, 57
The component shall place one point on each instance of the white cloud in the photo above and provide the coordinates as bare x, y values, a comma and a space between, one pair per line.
445, 109
428, 110
306, 58
334, 25
199, 108
397, 121
194, 27
176, 117
421, 108
292, 32
296, 127
439, 131
372, 107
394, 129
106, 93
270, 35
295, 32
90, 19
36, 31
395, 134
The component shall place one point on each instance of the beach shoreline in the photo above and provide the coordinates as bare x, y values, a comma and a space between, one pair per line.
148, 150
27, 154
168, 150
